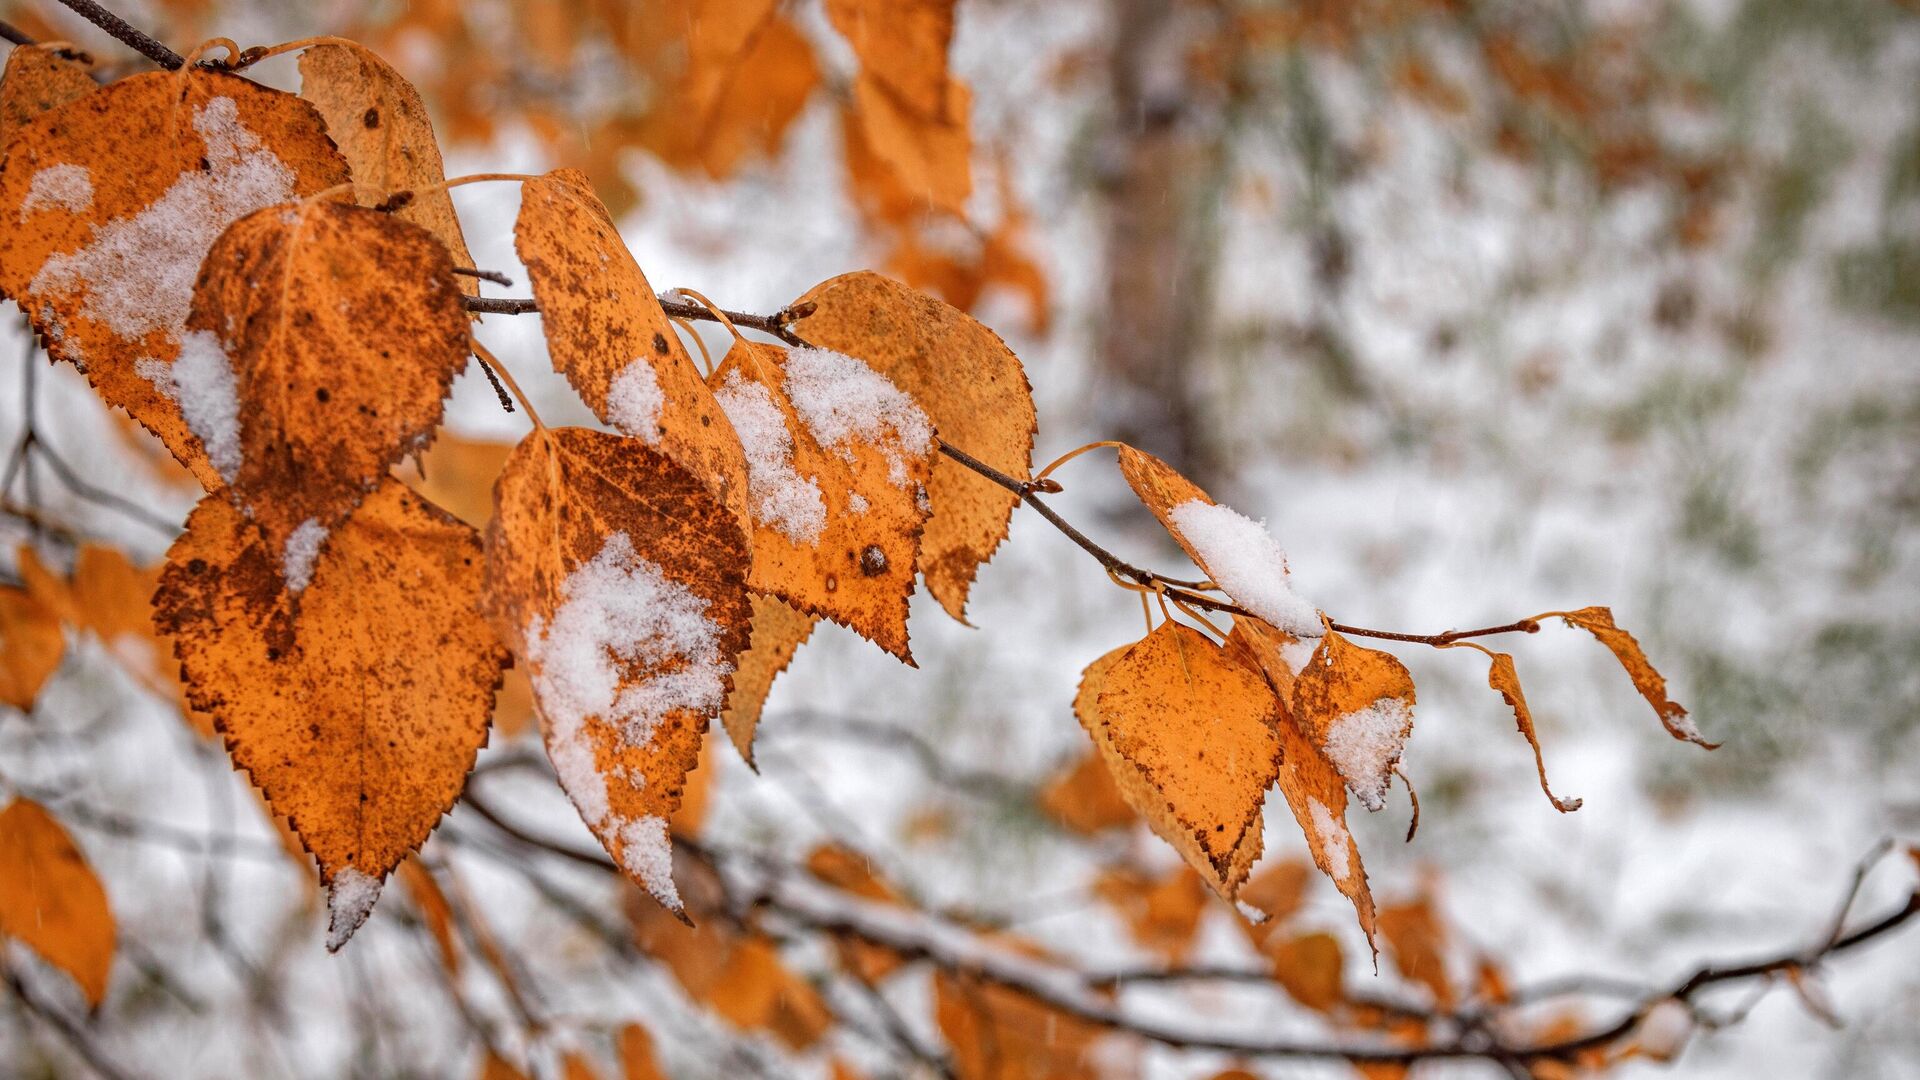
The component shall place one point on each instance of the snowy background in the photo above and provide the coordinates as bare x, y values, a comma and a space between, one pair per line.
1541, 401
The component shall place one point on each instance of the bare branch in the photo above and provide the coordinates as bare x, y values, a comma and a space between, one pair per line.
126, 34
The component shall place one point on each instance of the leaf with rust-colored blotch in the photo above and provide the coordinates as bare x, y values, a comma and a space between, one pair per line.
39, 78
778, 633
1598, 621
339, 330
111, 202
620, 582
608, 335
51, 900
838, 461
1189, 734
357, 705
1357, 705
1314, 789
378, 121
970, 384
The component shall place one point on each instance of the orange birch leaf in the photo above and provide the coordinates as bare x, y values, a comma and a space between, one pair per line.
114, 599
1189, 735
848, 870
1317, 795
1598, 621
903, 46
1162, 914
1084, 798
577, 1066
1312, 970
457, 475
356, 706
838, 461
1271, 897
376, 118
1501, 676
778, 633
40, 78
766, 88
1236, 552
719, 35
1417, 943
1357, 705
495, 1067
971, 385
998, 1033
609, 337
51, 900
113, 200
434, 909
340, 329
620, 582
31, 645
930, 159
636, 1055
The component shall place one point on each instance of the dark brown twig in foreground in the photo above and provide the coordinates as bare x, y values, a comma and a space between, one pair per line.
126, 34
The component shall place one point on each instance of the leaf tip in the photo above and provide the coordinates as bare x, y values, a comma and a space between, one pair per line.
350, 897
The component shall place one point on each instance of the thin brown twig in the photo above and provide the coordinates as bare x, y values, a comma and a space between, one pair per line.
125, 33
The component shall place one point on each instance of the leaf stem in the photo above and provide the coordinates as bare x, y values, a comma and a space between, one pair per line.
492, 362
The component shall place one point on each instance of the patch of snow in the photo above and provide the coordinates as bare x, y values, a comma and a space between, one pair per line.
781, 497
138, 272
1334, 839
1250, 913
350, 898
1365, 745
67, 186
303, 547
844, 402
202, 383
646, 851
856, 502
634, 401
1242, 558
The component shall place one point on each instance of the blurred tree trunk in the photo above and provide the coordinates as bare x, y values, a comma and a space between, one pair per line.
1164, 167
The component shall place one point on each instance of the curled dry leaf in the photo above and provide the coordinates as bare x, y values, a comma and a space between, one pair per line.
341, 330
51, 900
903, 47
609, 337
378, 121
1501, 676
356, 706
1357, 706
39, 78
31, 645
970, 384
1314, 791
111, 202
1598, 621
838, 461
620, 581
778, 633
1189, 734
1236, 552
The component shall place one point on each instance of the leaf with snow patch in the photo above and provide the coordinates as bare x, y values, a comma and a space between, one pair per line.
1598, 621
322, 343
356, 705
31, 645
970, 384
1189, 734
1236, 552
378, 121
1357, 705
608, 335
838, 460
39, 78
51, 900
1313, 788
111, 201
778, 633
620, 581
